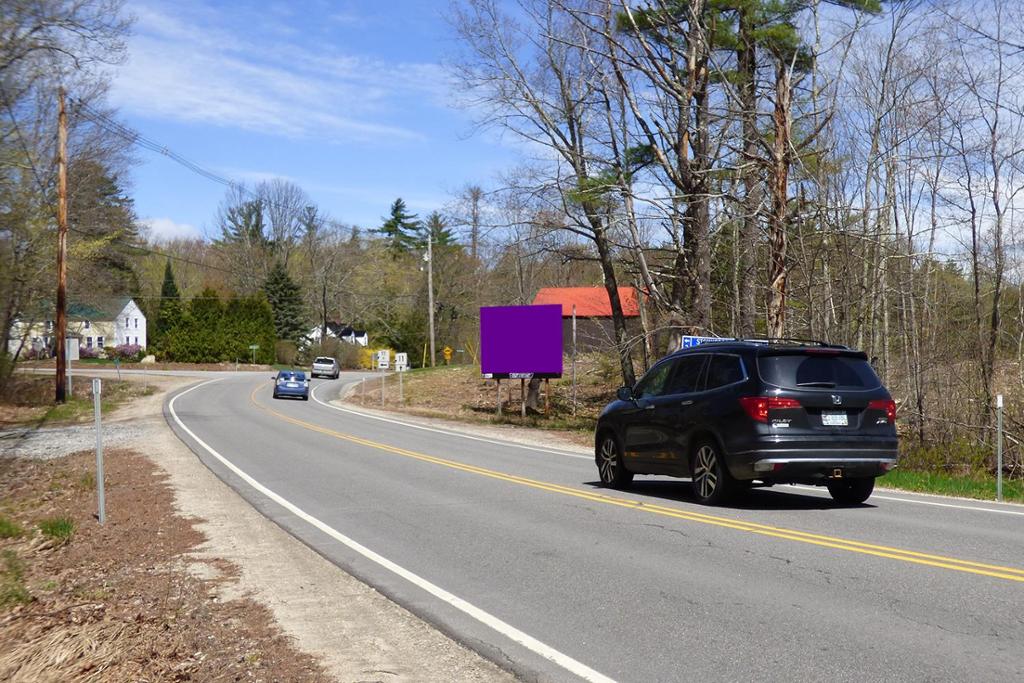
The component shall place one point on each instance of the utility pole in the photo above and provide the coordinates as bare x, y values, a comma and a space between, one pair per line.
62, 244
430, 290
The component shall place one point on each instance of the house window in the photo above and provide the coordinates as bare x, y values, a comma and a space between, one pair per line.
136, 323
86, 324
136, 341
88, 342
99, 342
126, 322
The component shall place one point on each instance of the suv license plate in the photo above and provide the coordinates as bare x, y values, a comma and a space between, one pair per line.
834, 418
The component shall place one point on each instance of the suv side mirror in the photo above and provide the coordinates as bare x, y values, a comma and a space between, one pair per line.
624, 394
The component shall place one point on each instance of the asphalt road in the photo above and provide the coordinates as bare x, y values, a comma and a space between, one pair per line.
518, 553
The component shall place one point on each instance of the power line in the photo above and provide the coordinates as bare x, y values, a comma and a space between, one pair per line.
44, 190
155, 252
136, 138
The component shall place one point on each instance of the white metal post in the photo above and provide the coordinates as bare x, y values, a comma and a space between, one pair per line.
999, 447
401, 392
100, 493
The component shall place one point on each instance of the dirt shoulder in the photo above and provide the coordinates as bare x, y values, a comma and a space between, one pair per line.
223, 593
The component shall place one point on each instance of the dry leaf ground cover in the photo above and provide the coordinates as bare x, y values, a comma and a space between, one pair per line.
123, 601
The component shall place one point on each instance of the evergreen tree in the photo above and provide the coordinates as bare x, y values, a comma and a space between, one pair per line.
285, 299
249, 320
245, 224
169, 315
438, 231
400, 228
206, 327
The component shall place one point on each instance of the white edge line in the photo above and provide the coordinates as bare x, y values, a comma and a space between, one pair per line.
923, 502
485, 618
446, 432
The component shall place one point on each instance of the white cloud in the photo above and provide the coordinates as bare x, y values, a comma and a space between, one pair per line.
190, 67
166, 229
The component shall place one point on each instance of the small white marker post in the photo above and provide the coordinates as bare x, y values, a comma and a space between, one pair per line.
101, 498
999, 447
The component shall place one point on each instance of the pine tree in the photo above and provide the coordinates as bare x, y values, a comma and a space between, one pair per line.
400, 228
438, 231
169, 315
285, 299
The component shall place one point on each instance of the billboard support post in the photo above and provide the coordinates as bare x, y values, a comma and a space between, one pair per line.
497, 384
574, 360
522, 396
547, 396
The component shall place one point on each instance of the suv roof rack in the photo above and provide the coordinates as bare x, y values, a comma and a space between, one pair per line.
777, 341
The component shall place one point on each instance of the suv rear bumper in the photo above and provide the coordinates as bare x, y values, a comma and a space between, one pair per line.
819, 470
815, 462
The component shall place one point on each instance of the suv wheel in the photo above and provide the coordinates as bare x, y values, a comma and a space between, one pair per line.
612, 471
851, 491
711, 481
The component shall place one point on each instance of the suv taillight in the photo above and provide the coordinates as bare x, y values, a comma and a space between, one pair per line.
886, 405
757, 407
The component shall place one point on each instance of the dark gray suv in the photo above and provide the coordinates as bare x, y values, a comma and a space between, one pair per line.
732, 413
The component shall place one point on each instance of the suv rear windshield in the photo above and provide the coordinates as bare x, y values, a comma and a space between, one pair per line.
800, 371
325, 361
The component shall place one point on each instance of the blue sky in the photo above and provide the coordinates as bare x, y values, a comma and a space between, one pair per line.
348, 99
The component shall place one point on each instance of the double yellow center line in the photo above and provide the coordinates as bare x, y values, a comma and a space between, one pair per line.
940, 561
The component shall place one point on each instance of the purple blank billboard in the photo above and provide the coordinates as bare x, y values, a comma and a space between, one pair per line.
521, 341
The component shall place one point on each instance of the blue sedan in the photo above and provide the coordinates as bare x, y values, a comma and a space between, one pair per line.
291, 383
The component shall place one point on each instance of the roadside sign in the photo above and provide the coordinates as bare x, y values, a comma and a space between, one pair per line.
447, 353
253, 347
71, 348
383, 359
688, 341
401, 362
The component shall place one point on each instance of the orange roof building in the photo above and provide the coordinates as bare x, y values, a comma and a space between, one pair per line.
591, 302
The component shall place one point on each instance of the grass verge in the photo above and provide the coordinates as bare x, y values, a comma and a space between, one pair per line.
12, 580
29, 401
58, 528
981, 488
9, 528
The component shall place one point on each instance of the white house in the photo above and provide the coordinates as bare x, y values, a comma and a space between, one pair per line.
114, 322
345, 333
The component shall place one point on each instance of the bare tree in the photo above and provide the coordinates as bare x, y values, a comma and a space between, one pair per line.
534, 78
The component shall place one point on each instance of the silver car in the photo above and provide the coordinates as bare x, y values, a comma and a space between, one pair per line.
325, 366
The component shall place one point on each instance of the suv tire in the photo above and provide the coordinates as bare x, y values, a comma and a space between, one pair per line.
851, 491
610, 467
712, 484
